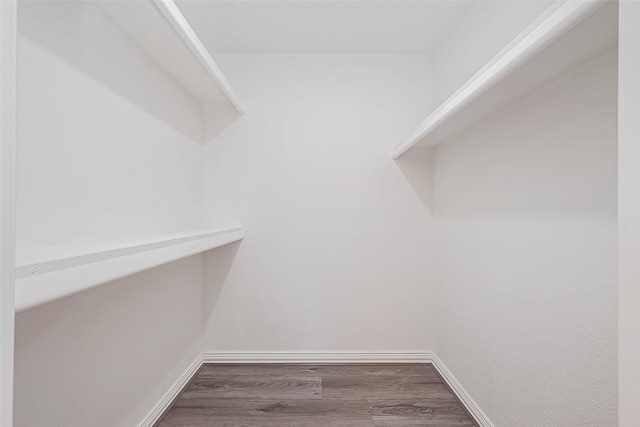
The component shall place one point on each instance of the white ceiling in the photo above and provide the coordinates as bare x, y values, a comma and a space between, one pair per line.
321, 26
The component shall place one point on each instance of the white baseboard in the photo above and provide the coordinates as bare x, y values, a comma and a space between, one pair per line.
465, 398
318, 357
167, 399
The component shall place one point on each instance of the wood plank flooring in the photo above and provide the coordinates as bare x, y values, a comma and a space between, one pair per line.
270, 395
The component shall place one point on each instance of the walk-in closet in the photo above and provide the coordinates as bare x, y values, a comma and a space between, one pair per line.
320, 213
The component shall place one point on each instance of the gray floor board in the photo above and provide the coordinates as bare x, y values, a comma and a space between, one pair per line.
253, 387
285, 413
269, 369
419, 412
315, 395
384, 387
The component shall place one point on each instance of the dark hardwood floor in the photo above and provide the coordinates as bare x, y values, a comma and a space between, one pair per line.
316, 396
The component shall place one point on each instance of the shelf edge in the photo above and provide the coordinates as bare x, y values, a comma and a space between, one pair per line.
181, 26
550, 26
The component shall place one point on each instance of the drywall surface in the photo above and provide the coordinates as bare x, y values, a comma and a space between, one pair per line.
321, 27
483, 30
104, 357
525, 205
629, 215
108, 144
336, 253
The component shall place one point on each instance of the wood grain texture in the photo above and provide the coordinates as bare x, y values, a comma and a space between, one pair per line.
316, 370
422, 412
281, 413
287, 395
253, 387
384, 387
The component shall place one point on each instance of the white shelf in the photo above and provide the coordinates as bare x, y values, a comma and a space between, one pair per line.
162, 31
565, 36
45, 275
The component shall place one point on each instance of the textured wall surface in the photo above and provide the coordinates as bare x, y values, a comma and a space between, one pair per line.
629, 214
336, 254
108, 143
525, 205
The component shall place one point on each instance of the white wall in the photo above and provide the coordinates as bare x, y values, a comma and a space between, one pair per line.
629, 214
482, 31
109, 144
336, 253
106, 356
108, 147
525, 206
